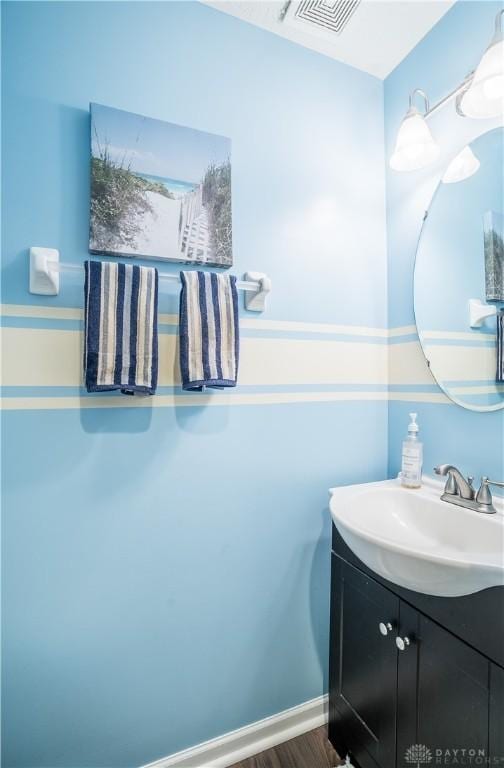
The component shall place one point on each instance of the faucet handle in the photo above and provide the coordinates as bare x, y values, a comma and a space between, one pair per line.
497, 483
484, 495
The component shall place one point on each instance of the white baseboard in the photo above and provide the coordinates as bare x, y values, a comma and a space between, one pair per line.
245, 742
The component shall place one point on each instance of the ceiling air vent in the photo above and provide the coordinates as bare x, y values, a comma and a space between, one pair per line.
327, 17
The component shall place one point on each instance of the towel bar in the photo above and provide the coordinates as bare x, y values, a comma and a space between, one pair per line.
45, 268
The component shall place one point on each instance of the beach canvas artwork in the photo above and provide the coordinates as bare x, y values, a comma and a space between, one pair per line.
159, 190
493, 222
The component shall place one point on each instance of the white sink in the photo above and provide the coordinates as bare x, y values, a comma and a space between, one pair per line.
417, 541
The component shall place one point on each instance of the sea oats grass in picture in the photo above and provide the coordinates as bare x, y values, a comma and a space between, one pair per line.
494, 256
159, 190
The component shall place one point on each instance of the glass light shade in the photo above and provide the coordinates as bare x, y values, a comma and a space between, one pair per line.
461, 167
415, 148
485, 95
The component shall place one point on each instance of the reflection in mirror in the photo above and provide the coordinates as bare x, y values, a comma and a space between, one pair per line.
460, 258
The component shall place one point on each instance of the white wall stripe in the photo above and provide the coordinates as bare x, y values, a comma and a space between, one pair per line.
405, 330
474, 336
407, 365
420, 397
329, 328
491, 389
202, 400
459, 363
36, 357
52, 357
294, 361
49, 357
46, 313
165, 319
289, 326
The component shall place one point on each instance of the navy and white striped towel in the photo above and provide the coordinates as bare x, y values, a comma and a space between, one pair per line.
121, 341
209, 333
500, 347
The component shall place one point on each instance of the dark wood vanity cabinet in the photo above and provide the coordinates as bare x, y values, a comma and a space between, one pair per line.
363, 667
496, 712
439, 692
443, 690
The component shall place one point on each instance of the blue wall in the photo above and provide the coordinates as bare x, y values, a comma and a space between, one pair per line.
166, 567
473, 441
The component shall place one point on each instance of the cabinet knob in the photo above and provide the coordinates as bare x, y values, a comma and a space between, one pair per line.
385, 628
402, 643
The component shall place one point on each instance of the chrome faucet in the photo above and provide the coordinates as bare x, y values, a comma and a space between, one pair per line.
460, 491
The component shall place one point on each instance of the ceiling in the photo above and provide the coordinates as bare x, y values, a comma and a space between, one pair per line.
377, 36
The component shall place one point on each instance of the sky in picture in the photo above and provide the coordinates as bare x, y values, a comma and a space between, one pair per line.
155, 147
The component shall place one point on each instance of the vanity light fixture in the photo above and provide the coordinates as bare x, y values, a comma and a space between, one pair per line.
484, 95
462, 166
415, 147
479, 95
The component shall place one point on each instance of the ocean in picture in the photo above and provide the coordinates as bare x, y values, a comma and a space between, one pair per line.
159, 190
175, 186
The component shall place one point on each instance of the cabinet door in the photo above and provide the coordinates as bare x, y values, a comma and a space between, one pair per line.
443, 692
363, 668
496, 714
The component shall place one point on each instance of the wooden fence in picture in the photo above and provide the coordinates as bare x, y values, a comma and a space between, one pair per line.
194, 237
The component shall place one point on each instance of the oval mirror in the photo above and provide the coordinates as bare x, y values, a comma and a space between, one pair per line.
459, 275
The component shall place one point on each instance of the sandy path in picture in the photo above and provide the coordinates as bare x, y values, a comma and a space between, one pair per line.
159, 229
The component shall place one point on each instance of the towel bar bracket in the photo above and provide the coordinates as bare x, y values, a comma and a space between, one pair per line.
45, 268
256, 302
44, 281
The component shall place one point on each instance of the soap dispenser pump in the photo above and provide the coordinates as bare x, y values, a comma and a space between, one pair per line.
412, 456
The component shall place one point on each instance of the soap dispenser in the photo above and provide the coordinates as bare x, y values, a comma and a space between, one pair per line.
412, 456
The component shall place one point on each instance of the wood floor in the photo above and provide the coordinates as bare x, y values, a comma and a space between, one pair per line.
311, 750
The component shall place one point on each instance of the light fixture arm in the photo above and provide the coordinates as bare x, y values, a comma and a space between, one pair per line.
424, 97
498, 24
459, 90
